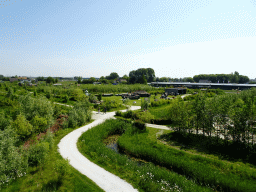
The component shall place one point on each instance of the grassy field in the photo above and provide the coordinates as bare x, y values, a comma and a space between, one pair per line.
46, 177
143, 176
203, 170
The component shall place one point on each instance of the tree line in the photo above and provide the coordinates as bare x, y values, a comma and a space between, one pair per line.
232, 115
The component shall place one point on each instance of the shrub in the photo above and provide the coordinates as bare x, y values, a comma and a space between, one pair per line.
48, 95
62, 167
4, 122
119, 113
49, 138
65, 98
145, 116
99, 96
22, 127
144, 104
37, 153
39, 124
13, 162
140, 125
78, 116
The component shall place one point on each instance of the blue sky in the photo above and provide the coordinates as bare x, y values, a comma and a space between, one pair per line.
177, 38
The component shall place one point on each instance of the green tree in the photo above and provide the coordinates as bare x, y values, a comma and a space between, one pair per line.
79, 80
143, 80
112, 76
22, 127
13, 161
188, 79
39, 124
199, 111
136, 76
50, 80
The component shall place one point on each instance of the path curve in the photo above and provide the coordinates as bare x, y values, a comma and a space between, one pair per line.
104, 179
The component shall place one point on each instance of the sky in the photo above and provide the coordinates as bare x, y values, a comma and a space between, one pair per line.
92, 38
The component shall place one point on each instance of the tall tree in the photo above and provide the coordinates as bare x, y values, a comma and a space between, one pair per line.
112, 76
136, 76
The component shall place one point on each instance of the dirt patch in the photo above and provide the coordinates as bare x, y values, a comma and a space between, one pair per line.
55, 127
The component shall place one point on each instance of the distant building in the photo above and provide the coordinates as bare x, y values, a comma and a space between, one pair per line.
121, 80
22, 78
176, 91
13, 79
253, 80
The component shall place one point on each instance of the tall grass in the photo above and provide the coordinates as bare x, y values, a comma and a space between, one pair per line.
147, 177
204, 171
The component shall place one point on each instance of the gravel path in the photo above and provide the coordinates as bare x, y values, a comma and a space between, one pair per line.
104, 179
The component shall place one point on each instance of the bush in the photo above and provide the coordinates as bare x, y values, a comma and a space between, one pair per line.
128, 114
49, 138
13, 162
4, 122
48, 95
65, 98
119, 113
38, 153
140, 125
62, 167
22, 127
39, 124
145, 116
79, 115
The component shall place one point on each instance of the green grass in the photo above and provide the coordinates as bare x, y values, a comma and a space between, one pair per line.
145, 177
212, 147
206, 171
160, 112
45, 178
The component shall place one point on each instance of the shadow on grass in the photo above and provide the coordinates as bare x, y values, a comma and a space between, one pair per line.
52, 185
224, 149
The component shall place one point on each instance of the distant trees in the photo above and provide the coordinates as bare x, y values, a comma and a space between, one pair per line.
188, 79
50, 80
215, 78
40, 78
136, 76
112, 76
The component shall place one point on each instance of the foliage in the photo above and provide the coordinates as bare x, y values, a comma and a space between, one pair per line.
144, 104
112, 76
50, 80
40, 106
146, 177
38, 153
4, 121
145, 116
13, 163
201, 170
62, 167
137, 75
79, 115
22, 127
222, 78
39, 124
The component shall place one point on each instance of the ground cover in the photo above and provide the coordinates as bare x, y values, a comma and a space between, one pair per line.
212, 146
210, 172
145, 177
54, 175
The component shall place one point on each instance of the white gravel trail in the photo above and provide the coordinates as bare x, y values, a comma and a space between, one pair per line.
104, 179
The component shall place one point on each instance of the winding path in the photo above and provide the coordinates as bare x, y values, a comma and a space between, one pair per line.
104, 179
